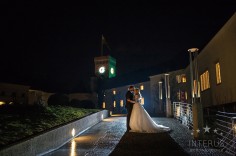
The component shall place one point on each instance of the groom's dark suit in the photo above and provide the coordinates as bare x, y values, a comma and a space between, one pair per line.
129, 107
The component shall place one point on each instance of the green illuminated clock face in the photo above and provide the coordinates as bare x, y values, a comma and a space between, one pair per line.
102, 70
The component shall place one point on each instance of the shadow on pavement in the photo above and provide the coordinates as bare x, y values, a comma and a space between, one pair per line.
147, 144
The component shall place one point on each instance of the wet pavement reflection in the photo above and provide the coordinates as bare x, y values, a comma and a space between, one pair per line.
109, 138
100, 139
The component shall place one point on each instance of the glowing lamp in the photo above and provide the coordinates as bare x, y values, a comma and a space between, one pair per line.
102, 70
2, 102
103, 105
73, 132
192, 50
112, 71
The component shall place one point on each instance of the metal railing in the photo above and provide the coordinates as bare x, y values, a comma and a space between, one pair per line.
183, 113
226, 131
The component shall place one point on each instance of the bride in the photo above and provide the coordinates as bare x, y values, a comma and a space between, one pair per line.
140, 121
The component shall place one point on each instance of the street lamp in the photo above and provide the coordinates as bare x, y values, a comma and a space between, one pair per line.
195, 87
195, 90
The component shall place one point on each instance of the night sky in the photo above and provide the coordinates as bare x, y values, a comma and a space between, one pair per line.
51, 46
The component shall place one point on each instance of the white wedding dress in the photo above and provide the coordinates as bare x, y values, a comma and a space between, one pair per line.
140, 120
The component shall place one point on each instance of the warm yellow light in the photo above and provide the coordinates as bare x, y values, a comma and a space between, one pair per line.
110, 113
103, 105
178, 111
141, 87
114, 103
218, 75
205, 82
73, 132
2, 103
184, 79
121, 103
114, 92
73, 148
142, 100
192, 50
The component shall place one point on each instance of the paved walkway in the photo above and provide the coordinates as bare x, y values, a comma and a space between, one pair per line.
109, 138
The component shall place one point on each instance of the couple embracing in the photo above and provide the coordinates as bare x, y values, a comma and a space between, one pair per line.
138, 120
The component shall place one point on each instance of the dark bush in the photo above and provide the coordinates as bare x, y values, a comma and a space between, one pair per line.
58, 99
75, 103
87, 104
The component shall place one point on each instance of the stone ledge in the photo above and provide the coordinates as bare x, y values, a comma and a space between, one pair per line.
54, 139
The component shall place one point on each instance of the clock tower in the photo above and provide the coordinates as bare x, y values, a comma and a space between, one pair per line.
105, 66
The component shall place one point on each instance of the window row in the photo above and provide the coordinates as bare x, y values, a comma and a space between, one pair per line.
13, 94
181, 78
141, 88
121, 103
205, 78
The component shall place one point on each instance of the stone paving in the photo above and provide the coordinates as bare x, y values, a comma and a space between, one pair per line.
104, 139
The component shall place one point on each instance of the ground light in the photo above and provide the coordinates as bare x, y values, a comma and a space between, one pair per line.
73, 132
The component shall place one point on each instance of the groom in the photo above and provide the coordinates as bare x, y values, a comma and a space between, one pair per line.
129, 104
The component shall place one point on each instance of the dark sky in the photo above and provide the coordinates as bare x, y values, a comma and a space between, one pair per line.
51, 46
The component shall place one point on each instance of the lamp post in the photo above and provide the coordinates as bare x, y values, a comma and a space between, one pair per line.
195, 92
195, 87
167, 89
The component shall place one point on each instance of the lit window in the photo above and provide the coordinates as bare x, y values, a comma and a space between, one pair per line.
141, 87
205, 82
103, 105
142, 100
184, 79
186, 95
198, 91
178, 111
114, 103
2, 103
178, 78
121, 103
114, 92
218, 75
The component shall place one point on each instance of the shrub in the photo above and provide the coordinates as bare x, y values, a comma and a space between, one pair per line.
87, 104
58, 99
75, 103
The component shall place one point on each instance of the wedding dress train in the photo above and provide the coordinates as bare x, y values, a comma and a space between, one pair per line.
140, 121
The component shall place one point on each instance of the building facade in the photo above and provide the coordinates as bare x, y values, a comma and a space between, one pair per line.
13, 93
216, 72
114, 99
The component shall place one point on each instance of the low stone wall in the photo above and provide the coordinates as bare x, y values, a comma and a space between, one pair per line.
54, 139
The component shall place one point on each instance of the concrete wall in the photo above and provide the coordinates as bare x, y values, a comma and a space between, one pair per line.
53, 139
158, 103
220, 49
38, 97
13, 93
